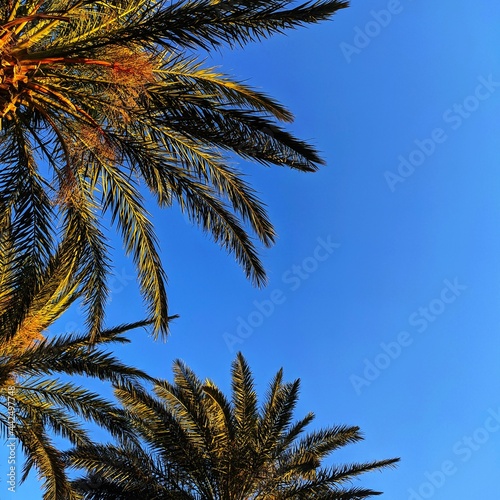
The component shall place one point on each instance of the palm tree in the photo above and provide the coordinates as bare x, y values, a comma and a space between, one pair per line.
98, 97
201, 445
37, 404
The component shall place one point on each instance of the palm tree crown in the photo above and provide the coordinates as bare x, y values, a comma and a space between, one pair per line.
205, 446
98, 98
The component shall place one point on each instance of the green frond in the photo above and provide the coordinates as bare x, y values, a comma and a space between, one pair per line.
277, 412
188, 74
49, 394
32, 407
24, 199
293, 433
184, 400
204, 207
324, 441
347, 472
126, 207
119, 472
48, 460
55, 356
203, 24
81, 224
330, 482
220, 416
244, 400
46, 406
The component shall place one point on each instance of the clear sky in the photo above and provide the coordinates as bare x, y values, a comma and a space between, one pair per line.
384, 292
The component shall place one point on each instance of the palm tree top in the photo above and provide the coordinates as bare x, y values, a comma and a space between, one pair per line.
207, 446
102, 101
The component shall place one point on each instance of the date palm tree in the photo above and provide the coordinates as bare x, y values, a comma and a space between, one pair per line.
101, 101
39, 400
198, 444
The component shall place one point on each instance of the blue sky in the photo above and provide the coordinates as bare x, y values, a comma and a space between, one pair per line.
384, 291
